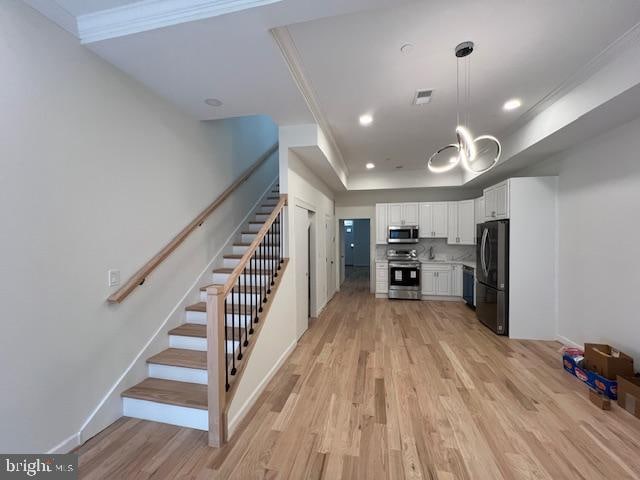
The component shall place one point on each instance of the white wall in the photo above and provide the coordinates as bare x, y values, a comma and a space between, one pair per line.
599, 234
96, 172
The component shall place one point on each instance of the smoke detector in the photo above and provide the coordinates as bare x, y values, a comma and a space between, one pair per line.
422, 96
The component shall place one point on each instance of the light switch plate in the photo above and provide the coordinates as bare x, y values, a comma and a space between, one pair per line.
114, 278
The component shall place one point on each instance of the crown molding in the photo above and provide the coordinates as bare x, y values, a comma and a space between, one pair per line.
287, 46
629, 39
151, 14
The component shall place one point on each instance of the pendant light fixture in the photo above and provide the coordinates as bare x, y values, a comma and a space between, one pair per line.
477, 155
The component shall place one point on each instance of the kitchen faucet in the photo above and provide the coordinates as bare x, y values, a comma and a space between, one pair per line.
431, 255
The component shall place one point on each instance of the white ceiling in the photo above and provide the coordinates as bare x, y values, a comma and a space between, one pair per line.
524, 49
349, 55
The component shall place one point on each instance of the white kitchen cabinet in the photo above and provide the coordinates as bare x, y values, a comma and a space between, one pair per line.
436, 279
496, 201
433, 220
403, 214
456, 280
479, 210
382, 222
462, 224
382, 277
443, 283
395, 214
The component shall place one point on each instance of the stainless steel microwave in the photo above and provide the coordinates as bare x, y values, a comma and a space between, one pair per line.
403, 234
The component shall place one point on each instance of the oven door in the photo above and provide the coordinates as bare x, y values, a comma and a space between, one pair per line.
404, 276
403, 234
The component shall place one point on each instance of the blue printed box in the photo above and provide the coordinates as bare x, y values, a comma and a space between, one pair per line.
591, 379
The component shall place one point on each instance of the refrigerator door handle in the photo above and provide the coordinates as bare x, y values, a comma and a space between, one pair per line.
483, 245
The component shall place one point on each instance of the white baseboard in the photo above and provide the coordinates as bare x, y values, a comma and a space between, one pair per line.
67, 445
568, 342
104, 411
246, 406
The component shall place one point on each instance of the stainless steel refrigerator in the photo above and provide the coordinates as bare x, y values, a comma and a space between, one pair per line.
492, 275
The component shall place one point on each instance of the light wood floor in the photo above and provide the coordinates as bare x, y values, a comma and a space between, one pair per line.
380, 389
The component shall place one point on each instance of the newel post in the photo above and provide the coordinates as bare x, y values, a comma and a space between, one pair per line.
216, 366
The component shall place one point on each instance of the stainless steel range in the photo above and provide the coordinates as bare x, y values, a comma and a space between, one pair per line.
404, 274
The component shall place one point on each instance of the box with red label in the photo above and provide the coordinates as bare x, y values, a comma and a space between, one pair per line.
573, 365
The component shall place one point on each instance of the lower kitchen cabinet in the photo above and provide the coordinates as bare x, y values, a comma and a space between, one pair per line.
382, 277
436, 279
456, 280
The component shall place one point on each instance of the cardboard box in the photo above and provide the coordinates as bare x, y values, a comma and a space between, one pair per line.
599, 400
607, 361
597, 382
629, 394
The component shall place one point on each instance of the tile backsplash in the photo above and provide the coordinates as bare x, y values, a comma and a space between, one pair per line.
441, 249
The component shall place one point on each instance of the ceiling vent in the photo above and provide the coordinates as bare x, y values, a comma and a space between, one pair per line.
422, 97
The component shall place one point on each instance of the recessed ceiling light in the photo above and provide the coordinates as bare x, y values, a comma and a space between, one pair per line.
370, 166
213, 102
366, 120
512, 104
407, 48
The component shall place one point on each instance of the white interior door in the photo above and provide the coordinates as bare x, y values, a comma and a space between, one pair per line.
342, 259
330, 249
301, 223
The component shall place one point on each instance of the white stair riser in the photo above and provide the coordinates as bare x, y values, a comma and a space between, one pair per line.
255, 227
239, 249
201, 318
266, 210
179, 374
251, 298
163, 413
188, 343
221, 278
250, 237
262, 217
234, 262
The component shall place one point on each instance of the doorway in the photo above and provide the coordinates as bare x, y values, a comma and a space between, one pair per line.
355, 250
305, 245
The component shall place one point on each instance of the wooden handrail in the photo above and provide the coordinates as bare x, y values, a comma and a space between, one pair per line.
224, 290
140, 276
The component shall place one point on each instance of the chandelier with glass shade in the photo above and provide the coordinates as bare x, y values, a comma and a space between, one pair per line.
476, 155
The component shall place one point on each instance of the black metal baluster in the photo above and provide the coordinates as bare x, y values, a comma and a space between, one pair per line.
262, 280
280, 259
246, 306
233, 334
272, 265
239, 322
226, 356
254, 290
266, 264
276, 249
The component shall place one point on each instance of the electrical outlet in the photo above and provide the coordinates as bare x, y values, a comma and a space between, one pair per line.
114, 278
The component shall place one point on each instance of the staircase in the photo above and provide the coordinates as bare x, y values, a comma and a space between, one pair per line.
176, 390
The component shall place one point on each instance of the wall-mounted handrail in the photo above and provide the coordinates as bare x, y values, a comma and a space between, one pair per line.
141, 275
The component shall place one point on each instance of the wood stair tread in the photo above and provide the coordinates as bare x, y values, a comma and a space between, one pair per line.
248, 288
190, 330
180, 357
202, 307
170, 392
230, 270
200, 331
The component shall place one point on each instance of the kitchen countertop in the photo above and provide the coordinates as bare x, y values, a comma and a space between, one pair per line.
468, 263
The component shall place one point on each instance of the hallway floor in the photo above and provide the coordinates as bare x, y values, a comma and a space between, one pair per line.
381, 389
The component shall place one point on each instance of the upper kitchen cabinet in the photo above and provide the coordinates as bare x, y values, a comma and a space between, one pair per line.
433, 220
403, 214
479, 209
382, 222
462, 223
496, 201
